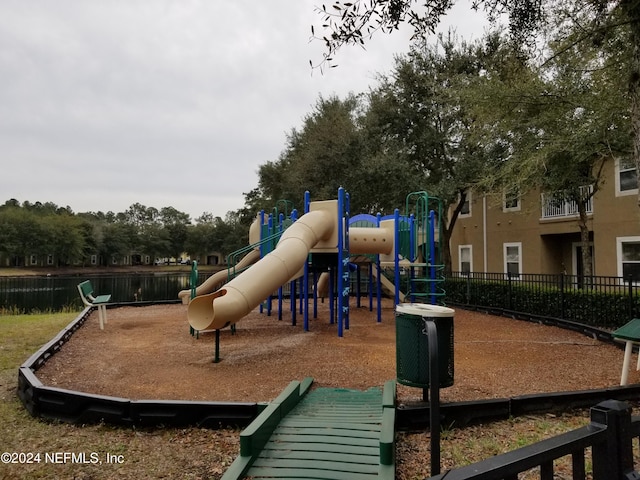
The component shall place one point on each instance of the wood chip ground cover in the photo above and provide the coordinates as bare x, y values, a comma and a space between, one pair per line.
148, 353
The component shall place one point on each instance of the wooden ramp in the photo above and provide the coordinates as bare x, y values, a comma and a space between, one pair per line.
330, 434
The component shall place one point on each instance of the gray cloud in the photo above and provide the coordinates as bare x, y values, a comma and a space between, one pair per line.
166, 103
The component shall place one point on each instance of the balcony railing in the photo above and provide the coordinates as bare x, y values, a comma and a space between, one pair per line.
555, 206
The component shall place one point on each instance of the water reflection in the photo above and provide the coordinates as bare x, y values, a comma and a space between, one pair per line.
61, 292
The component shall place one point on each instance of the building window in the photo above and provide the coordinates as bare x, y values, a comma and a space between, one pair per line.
466, 206
33, 259
94, 259
511, 200
513, 259
465, 259
628, 256
626, 177
50, 259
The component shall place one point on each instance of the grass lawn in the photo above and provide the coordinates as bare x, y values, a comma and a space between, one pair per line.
82, 452
134, 453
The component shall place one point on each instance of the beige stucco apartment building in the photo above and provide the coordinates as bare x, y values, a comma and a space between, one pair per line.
534, 234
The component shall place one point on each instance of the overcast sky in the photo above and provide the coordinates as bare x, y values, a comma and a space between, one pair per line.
105, 103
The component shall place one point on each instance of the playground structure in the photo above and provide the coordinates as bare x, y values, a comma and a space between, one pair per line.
325, 246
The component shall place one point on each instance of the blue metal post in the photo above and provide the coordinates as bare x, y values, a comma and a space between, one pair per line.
262, 246
396, 255
370, 286
379, 282
315, 294
332, 274
341, 268
358, 279
294, 310
305, 281
379, 292
345, 262
302, 295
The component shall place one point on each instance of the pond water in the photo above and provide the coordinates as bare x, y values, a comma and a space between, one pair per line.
56, 293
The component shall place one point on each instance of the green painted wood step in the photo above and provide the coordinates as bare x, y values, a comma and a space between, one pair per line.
335, 456
331, 434
309, 473
321, 447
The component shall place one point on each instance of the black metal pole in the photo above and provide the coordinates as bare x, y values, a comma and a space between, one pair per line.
562, 282
434, 387
216, 357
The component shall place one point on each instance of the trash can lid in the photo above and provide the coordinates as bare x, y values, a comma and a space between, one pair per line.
424, 310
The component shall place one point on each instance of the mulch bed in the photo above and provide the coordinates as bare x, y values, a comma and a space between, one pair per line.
148, 353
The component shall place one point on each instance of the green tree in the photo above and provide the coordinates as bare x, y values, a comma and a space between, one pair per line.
200, 236
9, 243
561, 121
588, 24
320, 157
575, 23
23, 234
232, 233
153, 239
421, 116
66, 238
139, 215
118, 240
175, 224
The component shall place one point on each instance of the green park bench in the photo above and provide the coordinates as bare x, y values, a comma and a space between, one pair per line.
90, 300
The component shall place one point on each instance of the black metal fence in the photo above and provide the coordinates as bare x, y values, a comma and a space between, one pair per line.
608, 437
605, 302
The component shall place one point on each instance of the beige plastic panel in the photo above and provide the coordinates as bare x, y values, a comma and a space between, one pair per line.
329, 207
370, 240
245, 292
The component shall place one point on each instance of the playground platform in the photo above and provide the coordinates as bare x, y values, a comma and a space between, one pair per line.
328, 433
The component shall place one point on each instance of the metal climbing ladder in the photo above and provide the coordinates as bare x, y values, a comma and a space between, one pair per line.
423, 247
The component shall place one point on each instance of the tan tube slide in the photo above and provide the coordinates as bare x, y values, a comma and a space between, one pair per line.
214, 282
245, 292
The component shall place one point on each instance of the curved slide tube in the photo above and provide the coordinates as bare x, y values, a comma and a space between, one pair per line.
245, 292
214, 282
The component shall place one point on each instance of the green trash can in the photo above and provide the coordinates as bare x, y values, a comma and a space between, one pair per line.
412, 344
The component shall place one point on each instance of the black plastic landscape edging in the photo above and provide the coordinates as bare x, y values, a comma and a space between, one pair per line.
460, 414
80, 408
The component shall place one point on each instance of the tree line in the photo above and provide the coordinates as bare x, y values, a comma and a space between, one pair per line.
54, 233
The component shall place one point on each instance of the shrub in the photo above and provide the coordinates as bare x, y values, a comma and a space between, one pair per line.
589, 306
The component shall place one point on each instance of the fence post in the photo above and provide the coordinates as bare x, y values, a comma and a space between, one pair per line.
562, 295
630, 294
613, 458
468, 288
